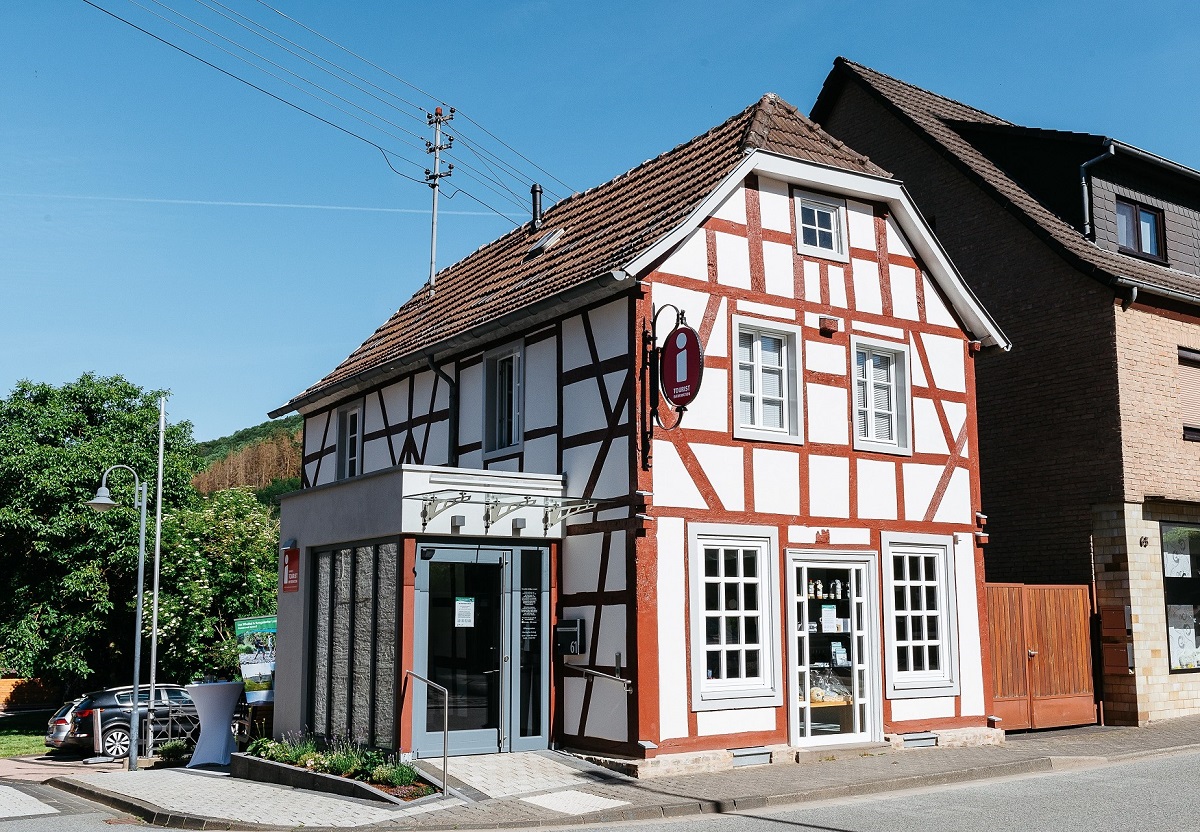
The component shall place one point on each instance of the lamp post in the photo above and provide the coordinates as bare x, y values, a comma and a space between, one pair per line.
103, 502
162, 432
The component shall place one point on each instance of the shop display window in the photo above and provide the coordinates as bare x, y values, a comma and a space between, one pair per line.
1181, 586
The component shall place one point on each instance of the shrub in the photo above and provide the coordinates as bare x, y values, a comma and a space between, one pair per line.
175, 749
295, 751
346, 758
394, 774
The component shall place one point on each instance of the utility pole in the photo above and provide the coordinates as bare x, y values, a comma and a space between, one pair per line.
433, 177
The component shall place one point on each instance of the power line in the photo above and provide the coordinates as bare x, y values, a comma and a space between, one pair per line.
277, 66
256, 87
414, 87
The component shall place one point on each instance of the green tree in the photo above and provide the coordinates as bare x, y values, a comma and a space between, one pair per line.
66, 598
219, 562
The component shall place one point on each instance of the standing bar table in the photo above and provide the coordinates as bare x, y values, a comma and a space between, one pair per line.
215, 705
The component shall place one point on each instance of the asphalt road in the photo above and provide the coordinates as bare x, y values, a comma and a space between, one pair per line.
1160, 794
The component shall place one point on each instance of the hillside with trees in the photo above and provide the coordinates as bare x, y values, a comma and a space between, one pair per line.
265, 457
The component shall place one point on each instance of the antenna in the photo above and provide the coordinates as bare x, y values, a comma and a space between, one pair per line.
432, 177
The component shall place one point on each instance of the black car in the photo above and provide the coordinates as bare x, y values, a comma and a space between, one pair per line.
174, 716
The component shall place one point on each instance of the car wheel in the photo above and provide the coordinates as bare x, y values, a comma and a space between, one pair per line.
116, 742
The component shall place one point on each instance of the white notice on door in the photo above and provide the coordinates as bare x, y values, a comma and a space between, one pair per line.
464, 612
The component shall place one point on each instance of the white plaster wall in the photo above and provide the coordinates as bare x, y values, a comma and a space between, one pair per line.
778, 269
510, 464
575, 348
867, 296
613, 382
956, 502
673, 485
876, 489
689, 300
775, 204
829, 486
725, 468
314, 432
828, 415
710, 723
672, 636
422, 389
916, 367
837, 287
690, 259
710, 409
614, 474
970, 649
581, 554
574, 687
850, 537
767, 310
610, 328
582, 408
541, 385
893, 332
938, 707
862, 225
733, 260
946, 357
375, 455
956, 417
896, 241
734, 207
904, 292
436, 452
928, 437
936, 311
776, 481
812, 282
395, 399
823, 357
920, 481
541, 455
608, 714
470, 405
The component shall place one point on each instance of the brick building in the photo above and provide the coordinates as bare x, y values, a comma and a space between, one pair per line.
1088, 252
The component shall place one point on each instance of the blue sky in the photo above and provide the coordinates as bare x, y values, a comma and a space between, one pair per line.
165, 222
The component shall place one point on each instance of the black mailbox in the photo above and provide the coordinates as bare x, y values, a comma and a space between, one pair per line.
569, 636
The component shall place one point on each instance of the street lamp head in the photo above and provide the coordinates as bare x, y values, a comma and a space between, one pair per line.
102, 501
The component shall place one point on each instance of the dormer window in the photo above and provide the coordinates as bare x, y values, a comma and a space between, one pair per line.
821, 226
1139, 230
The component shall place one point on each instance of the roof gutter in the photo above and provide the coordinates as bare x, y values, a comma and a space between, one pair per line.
1136, 286
602, 285
1110, 150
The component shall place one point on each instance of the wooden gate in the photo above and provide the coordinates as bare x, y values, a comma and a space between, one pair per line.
1041, 655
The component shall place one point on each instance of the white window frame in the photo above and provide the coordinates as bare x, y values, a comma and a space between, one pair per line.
914, 684
793, 381
841, 249
902, 396
516, 406
722, 694
344, 457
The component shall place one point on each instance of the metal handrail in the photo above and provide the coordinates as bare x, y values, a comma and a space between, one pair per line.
628, 683
445, 729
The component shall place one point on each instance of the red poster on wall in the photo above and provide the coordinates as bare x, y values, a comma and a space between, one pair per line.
681, 366
291, 570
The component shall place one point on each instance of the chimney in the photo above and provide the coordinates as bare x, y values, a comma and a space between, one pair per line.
536, 193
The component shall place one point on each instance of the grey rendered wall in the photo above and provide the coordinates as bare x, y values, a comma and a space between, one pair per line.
365, 508
1181, 224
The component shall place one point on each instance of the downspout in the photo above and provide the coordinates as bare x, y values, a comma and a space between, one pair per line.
452, 422
1085, 188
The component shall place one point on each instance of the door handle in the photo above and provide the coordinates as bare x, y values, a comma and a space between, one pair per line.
1032, 653
490, 672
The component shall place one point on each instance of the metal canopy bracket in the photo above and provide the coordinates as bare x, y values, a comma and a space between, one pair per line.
434, 504
560, 510
498, 506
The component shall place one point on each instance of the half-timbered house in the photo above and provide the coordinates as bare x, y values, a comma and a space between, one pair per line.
499, 506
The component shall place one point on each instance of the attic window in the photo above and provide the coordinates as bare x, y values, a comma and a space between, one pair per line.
1139, 229
546, 240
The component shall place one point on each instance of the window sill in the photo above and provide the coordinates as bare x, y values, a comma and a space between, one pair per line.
823, 253
1141, 255
735, 699
757, 435
868, 446
923, 690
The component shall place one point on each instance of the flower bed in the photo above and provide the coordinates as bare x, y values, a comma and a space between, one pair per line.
341, 767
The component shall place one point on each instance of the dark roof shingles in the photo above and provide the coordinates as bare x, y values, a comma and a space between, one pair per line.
937, 116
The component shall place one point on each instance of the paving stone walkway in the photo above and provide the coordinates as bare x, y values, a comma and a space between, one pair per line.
545, 789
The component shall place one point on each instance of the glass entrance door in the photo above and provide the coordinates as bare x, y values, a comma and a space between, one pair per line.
832, 658
481, 634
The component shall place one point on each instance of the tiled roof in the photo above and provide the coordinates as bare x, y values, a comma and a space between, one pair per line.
938, 117
603, 229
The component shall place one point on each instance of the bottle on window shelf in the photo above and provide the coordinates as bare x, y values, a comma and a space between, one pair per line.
837, 589
820, 594
811, 590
